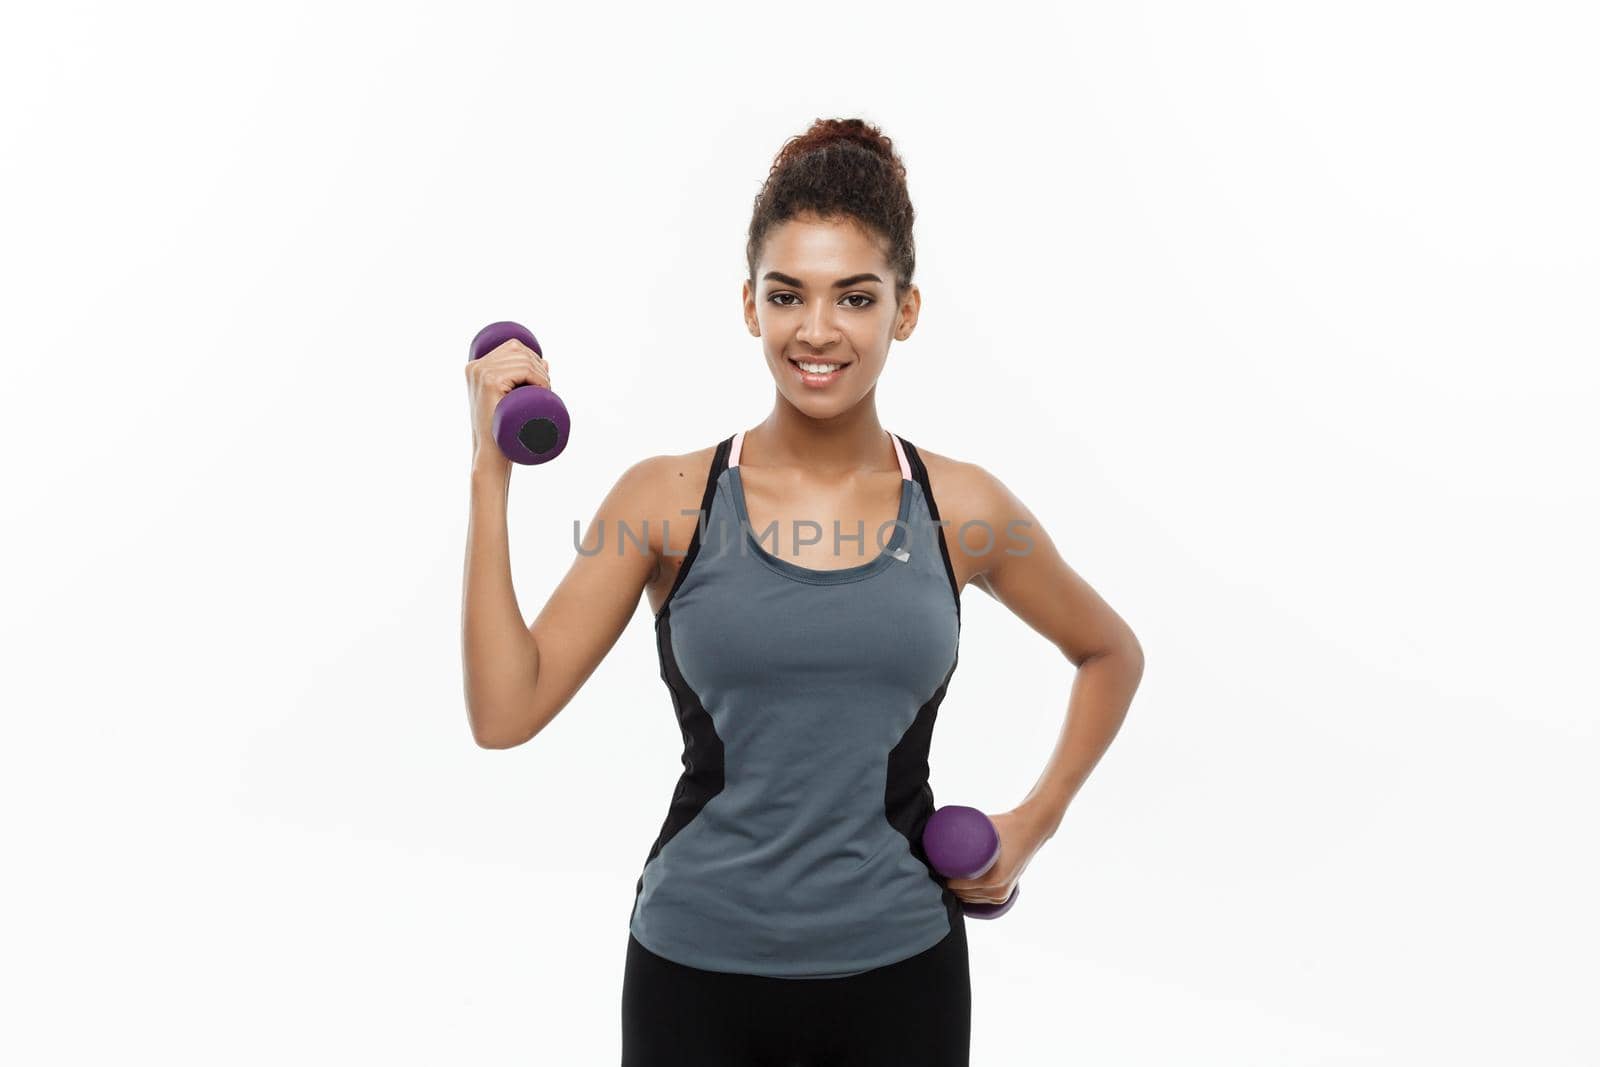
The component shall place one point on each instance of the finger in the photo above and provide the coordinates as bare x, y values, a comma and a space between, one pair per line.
525, 368
979, 898
511, 346
513, 352
969, 884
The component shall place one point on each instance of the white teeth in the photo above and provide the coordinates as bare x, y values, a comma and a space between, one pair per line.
818, 368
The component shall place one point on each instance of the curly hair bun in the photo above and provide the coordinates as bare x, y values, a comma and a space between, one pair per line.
824, 132
839, 168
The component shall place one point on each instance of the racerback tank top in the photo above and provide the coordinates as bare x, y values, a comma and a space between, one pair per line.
792, 846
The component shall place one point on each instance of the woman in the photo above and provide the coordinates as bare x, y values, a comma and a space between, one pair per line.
787, 913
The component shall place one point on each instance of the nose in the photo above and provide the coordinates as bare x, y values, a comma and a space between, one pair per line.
817, 327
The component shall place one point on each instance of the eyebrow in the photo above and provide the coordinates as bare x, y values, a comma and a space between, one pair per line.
842, 283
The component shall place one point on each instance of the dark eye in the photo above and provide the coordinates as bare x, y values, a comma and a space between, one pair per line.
773, 299
860, 296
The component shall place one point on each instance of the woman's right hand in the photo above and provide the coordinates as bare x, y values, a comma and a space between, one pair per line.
489, 378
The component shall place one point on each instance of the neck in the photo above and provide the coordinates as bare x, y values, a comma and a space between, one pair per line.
849, 442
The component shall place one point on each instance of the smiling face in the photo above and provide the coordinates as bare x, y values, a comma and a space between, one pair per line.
824, 293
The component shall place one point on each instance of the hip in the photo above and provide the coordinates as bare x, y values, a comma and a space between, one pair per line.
914, 1010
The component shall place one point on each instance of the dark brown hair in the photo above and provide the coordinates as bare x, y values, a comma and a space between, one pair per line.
839, 168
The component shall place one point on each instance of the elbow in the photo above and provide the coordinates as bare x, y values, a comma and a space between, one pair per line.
496, 731
513, 726
1133, 652
1123, 651
494, 741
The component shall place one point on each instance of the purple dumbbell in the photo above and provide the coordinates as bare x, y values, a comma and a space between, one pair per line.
530, 422
962, 842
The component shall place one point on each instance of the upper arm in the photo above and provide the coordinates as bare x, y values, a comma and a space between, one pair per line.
1026, 573
600, 592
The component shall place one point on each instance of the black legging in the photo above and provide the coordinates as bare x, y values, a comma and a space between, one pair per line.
917, 1011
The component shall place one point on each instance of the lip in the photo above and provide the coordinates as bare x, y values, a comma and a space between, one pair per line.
819, 380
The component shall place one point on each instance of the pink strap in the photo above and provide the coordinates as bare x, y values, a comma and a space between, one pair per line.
899, 452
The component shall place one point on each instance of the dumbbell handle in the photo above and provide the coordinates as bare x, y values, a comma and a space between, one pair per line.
531, 424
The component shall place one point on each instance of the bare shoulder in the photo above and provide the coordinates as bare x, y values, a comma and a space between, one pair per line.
965, 491
980, 516
955, 482
680, 480
666, 491
659, 483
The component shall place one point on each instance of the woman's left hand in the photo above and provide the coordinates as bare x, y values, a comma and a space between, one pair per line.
1020, 838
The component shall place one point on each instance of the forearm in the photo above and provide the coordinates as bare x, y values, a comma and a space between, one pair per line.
500, 659
1102, 692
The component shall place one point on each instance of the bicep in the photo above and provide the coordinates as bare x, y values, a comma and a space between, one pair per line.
590, 608
1026, 573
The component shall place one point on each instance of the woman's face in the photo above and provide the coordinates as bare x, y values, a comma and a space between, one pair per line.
825, 294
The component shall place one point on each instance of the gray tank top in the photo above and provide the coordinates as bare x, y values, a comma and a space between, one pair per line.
806, 698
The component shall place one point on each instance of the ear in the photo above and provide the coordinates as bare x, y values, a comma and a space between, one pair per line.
751, 323
906, 320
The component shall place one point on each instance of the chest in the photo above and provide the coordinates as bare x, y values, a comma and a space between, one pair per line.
821, 528
736, 626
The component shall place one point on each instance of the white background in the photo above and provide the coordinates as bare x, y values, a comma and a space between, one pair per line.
1280, 316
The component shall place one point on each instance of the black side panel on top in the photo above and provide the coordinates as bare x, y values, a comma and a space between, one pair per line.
908, 799
703, 768
703, 774
920, 471
907, 796
719, 463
